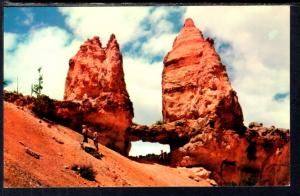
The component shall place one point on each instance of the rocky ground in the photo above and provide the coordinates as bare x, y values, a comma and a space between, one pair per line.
40, 154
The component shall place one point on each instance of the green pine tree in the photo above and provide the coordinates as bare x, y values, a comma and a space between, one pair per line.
37, 88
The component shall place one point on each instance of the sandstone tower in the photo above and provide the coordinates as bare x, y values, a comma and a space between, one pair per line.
195, 83
96, 76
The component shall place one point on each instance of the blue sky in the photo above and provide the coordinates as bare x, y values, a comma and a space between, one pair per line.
253, 42
21, 20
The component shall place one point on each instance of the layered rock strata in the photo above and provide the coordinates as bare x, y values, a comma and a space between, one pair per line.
195, 83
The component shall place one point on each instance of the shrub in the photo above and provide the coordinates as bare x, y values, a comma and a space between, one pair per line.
85, 171
44, 107
159, 122
11, 96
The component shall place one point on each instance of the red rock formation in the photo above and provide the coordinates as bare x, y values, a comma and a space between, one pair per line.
96, 76
246, 160
203, 121
195, 83
202, 117
261, 156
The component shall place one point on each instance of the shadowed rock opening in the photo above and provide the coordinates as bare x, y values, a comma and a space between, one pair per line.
150, 152
173, 134
144, 148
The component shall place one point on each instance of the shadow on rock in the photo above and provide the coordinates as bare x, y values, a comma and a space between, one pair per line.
92, 152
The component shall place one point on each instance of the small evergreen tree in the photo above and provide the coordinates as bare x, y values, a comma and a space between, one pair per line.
37, 88
44, 106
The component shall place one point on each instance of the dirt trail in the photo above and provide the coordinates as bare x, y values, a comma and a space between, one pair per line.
59, 148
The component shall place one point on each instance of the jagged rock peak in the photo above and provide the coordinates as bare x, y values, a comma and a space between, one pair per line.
94, 41
189, 34
112, 42
189, 23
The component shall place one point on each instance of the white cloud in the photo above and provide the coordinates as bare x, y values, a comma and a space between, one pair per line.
46, 47
158, 13
162, 36
103, 21
9, 40
261, 64
159, 44
143, 81
144, 148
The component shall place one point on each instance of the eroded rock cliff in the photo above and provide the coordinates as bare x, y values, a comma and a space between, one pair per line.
195, 83
258, 157
203, 120
96, 78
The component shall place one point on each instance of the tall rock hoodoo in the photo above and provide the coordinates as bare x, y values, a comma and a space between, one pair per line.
203, 120
195, 83
95, 78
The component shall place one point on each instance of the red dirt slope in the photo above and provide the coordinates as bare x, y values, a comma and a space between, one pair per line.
59, 148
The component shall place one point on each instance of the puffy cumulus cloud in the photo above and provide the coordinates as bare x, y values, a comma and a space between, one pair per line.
48, 47
144, 148
163, 30
143, 81
143, 65
162, 18
159, 44
260, 40
103, 21
9, 40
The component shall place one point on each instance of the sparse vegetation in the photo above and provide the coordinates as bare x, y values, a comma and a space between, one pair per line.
159, 122
44, 107
85, 171
37, 88
11, 96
